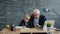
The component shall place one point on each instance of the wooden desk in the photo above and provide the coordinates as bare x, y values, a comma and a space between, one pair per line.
34, 31
22, 31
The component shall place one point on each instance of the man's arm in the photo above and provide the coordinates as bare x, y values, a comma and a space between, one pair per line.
42, 21
31, 21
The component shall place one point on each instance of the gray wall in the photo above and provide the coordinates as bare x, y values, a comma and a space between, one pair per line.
12, 11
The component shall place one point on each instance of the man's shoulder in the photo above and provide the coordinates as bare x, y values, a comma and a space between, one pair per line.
42, 16
32, 16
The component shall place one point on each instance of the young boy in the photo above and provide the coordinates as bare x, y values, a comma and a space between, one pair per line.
25, 22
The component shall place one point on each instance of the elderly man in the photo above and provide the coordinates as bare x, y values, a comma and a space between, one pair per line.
37, 20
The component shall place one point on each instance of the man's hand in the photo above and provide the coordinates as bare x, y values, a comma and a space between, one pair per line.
37, 26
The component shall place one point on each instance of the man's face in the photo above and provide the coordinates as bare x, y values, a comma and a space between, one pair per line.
36, 15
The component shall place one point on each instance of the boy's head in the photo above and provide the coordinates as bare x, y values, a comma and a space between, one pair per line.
26, 17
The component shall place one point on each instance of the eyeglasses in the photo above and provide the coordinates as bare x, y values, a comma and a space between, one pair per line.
36, 14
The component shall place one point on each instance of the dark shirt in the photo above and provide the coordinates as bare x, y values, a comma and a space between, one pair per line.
27, 24
41, 20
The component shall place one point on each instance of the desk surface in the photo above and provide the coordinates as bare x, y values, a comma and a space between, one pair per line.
26, 30
33, 30
18, 31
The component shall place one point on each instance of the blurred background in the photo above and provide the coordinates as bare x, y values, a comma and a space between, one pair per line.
12, 11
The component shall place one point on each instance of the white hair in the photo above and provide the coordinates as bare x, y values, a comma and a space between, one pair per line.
36, 10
